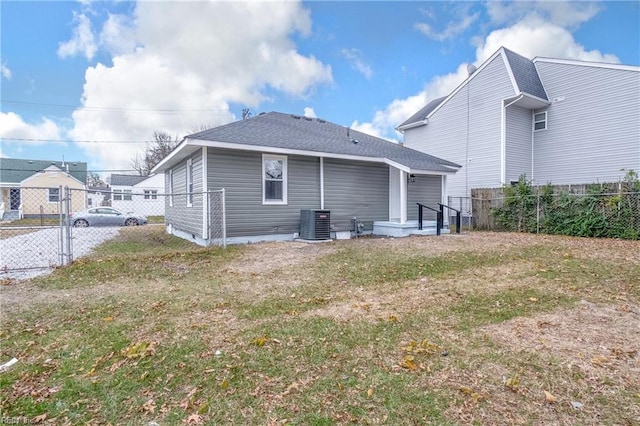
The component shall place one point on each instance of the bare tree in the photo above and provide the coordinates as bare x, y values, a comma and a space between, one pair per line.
94, 179
161, 146
246, 113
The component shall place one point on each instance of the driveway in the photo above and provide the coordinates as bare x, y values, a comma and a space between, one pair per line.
37, 253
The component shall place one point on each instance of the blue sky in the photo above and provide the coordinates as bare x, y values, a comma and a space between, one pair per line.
92, 80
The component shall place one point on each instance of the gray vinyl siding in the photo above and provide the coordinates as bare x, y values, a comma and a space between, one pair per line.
518, 143
240, 173
478, 108
594, 132
355, 189
187, 219
425, 190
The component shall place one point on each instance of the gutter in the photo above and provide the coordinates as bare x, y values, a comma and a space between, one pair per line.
412, 125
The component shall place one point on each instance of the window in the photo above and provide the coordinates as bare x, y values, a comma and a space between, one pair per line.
171, 188
122, 195
53, 195
274, 181
150, 194
540, 121
189, 182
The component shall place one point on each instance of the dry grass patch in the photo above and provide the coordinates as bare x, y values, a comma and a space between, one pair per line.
453, 330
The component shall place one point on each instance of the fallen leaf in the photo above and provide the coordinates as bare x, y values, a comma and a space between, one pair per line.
550, 398
195, 419
149, 406
370, 392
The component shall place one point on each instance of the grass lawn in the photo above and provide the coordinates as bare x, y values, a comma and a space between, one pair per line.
483, 328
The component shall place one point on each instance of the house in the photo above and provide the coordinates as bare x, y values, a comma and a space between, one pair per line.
30, 188
274, 165
553, 120
140, 194
98, 196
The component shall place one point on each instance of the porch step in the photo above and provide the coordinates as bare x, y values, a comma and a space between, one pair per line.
394, 229
10, 216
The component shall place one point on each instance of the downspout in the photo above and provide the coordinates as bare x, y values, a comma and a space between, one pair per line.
503, 140
321, 183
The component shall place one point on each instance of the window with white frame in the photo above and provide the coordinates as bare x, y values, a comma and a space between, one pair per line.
189, 182
150, 194
540, 121
171, 188
274, 179
122, 195
53, 195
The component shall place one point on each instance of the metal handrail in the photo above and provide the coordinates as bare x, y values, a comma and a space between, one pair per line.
458, 221
439, 217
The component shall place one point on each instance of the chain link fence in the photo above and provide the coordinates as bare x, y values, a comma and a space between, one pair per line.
602, 210
44, 228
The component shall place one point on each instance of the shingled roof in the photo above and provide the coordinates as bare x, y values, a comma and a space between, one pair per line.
279, 132
524, 73
126, 180
15, 170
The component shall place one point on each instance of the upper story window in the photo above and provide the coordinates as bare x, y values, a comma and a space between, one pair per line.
540, 121
274, 179
53, 195
189, 182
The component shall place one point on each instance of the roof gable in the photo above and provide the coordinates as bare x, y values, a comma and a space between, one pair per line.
15, 170
278, 132
525, 75
522, 72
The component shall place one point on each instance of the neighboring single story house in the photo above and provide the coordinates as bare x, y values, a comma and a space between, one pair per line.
30, 188
140, 194
553, 120
274, 165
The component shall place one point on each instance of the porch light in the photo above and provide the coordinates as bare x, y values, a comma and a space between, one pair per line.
412, 178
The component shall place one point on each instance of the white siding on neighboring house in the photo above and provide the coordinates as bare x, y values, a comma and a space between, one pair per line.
144, 198
593, 128
518, 127
467, 130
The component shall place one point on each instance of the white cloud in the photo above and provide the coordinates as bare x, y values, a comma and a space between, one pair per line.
532, 36
82, 42
563, 13
6, 72
309, 112
177, 66
463, 20
12, 126
357, 62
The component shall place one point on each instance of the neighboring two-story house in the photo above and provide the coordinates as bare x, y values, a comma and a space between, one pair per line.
553, 120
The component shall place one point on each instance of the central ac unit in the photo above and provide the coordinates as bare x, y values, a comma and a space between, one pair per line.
315, 224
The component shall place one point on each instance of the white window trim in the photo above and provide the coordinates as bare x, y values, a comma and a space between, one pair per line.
545, 121
171, 188
49, 196
282, 158
189, 181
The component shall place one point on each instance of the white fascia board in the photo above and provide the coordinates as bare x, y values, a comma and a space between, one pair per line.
420, 123
587, 64
287, 151
163, 164
432, 173
397, 165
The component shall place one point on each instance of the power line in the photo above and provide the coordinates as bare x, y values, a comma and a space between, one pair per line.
114, 109
70, 140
